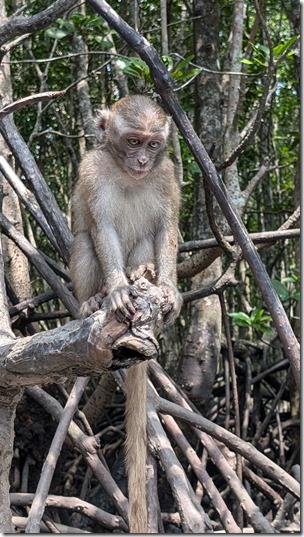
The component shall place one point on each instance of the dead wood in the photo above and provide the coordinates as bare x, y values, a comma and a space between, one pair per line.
109, 521
97, 344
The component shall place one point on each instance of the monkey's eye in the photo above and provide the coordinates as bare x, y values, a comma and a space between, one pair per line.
133, 141
154, 144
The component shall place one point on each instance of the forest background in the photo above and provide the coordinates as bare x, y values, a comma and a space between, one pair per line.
235, 67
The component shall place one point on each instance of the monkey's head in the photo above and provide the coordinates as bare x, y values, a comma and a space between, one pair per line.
135, 130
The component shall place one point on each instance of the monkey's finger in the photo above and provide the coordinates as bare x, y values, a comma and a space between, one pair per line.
124, 305
120, 316
116, 302
133, 292
127, 301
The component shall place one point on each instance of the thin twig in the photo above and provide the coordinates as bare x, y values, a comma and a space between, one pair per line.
30, 100
239, 461
266, 236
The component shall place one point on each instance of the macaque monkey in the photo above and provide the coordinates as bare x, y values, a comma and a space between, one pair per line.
125, 211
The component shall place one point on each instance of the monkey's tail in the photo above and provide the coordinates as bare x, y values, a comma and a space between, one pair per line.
136, 446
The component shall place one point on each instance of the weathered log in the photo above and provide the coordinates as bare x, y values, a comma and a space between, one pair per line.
97, 344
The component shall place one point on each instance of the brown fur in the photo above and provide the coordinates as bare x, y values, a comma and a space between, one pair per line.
125, 215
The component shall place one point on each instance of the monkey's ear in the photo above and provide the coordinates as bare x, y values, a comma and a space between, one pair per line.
101, 122
169, 127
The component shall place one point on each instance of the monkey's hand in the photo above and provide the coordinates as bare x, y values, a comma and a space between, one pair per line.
172, 302
119, 301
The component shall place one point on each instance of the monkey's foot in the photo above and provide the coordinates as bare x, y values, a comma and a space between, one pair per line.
172, 303
147, 270
91, 305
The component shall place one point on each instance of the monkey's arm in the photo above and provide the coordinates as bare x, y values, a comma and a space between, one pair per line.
166, 254
109, 253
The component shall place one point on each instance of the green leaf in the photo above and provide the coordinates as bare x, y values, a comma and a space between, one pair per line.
129, 70
264, 329
182, 64
256, 314
56, 33
139, 64
264, 49
240, 318
294, 278
263, 64
182, 77
261, 50
78, 17
247, 62
279, 49
296, 295
68, 25
281, 290
103, 41
136, 67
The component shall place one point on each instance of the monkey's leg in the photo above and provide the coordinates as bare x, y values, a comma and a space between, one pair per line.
86, 274
141, 260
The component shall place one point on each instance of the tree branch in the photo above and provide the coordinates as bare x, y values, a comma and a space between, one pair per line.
38, 505
87, 446
28, 199
265, 236
41, 265
255, 516
111, 522
29, 100
236, 444
225, 515
18, 25
42, 192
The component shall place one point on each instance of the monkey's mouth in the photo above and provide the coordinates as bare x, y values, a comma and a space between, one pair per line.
136, 174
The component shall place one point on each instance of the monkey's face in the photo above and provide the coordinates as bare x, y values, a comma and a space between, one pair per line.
140, 151
135, 131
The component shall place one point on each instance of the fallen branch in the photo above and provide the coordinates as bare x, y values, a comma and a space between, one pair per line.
20, 522
193, 517
255, 516
202, 475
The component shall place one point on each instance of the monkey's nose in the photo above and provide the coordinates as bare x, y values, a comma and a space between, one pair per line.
142, 160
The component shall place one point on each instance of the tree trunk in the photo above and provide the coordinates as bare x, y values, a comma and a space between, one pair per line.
203, 341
